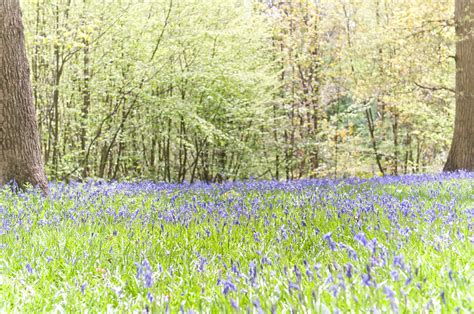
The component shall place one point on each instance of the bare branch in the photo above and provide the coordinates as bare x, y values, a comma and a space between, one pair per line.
435, 88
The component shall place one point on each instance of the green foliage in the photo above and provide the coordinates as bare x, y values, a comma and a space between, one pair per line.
150, 89
394, 57
218, 90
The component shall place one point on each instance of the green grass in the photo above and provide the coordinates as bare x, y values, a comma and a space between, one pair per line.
83, 257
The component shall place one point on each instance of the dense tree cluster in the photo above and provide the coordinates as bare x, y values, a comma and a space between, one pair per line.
217, 90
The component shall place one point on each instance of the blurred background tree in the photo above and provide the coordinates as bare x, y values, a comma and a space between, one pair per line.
216, 90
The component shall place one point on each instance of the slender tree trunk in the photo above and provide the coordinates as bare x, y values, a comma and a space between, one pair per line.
168, 153
395, 143
418, 155
57, 79
86, 103
277, 151
20, 154
461, 155
371, 126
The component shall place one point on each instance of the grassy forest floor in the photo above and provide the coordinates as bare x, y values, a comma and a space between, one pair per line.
384, 244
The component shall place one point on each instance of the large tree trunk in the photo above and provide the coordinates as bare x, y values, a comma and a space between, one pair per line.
461, 155
20, 155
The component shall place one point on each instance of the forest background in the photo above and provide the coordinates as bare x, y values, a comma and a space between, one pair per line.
175, 90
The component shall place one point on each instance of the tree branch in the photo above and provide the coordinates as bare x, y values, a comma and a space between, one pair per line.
435, 88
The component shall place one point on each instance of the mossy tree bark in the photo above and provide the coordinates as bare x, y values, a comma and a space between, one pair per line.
20, 154
461, 155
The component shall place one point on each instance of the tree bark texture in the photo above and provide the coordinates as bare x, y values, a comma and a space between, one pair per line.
20, 154
461, 154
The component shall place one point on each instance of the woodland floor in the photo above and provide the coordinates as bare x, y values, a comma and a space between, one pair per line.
384, 244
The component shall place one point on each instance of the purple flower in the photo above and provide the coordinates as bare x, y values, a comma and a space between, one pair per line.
145, 273
329, 279
389, 292
361, 238
398, 261
309, 273
391, 296
327, 236
150, 297
349, 271
252, 271
408, 281
331, 243
351, 253
83, 287
118, 291
265, 261
297, 272
256, 237
292, 286
366, 280
234, 304
235, 269
257, 305
394, 275
202, 263
228, 286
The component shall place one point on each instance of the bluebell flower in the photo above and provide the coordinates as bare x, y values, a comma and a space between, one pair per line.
292, 286
228, 286
349, 270
256, 237
297, 272
394, 275
252, 271
408, 281
331, 243
234, 304
389, 292
145, 273
398, 261
361, 238
83, 287
366, 280
150, 297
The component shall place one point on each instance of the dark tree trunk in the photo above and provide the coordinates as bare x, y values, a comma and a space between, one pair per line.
86, 103
371, 126
20, 155
461, 155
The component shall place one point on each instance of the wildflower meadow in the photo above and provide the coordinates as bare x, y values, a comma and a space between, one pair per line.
391, 244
